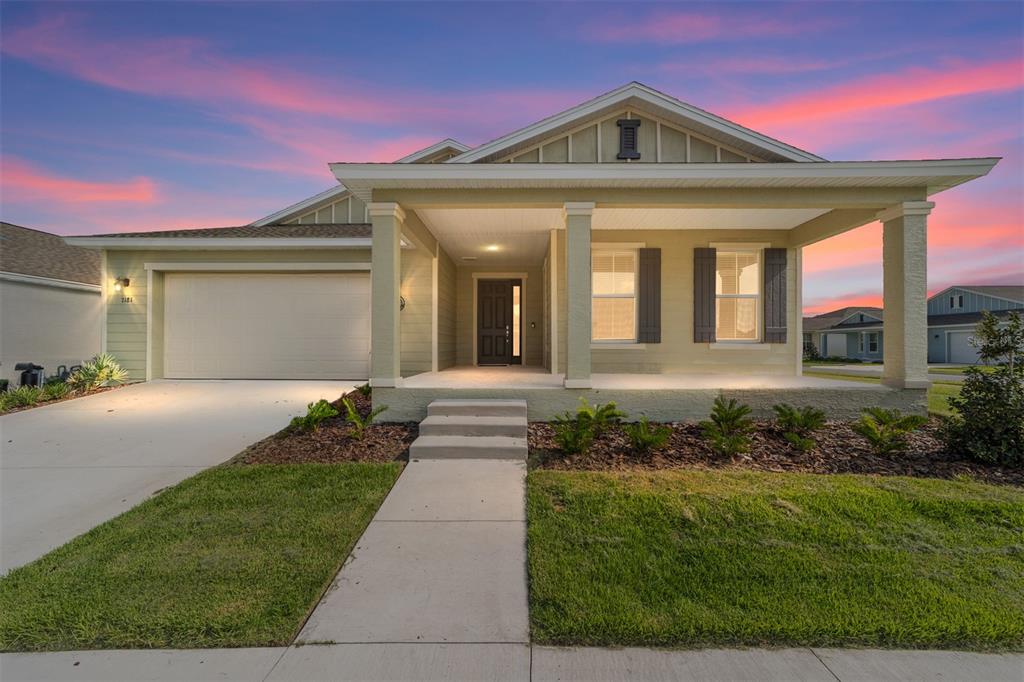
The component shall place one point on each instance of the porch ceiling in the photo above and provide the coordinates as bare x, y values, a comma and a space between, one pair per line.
520, 235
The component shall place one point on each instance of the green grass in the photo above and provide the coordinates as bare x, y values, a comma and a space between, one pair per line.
938, 394
743, 558
235, 556
959, 371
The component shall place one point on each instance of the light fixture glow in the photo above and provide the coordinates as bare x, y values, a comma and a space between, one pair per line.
492, 247
121, 283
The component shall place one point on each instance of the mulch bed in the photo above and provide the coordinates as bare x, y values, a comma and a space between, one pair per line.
74, 396
839, 451
333, 441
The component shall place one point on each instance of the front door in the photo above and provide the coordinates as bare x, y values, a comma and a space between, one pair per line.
494, 322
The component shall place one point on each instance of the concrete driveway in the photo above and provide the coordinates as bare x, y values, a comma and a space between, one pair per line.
68, 467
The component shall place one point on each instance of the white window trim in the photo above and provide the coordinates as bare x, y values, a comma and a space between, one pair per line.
759, 247
618, 246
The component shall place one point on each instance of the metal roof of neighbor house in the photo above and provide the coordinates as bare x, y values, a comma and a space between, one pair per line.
1009, 292
948, 319
307, 231
834, 317
25, 251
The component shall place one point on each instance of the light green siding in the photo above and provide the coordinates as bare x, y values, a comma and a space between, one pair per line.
673, 145
584, 145
528, 157
557, 151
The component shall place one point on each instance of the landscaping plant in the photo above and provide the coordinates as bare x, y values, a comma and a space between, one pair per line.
102, 370
988, 416
729, 428
23, 396
887, 430
644, 438
316, 414
55, 390
601, 416
798, 423
359, 422
364, 389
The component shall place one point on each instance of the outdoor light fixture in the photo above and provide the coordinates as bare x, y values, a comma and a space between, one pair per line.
401, 302
493, 247
121, 283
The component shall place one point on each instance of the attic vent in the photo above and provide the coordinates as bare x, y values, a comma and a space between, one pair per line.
628, 138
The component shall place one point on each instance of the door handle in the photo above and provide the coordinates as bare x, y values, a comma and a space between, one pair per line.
508, 331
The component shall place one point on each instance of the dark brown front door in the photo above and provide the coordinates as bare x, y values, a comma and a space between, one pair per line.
494, 322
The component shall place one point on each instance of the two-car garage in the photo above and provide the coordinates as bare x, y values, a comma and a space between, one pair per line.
260, 325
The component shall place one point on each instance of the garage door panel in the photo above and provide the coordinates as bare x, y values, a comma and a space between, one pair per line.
960, 348
267, 326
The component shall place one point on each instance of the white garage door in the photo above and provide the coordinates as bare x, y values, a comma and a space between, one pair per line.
835, 345
266, 326
960, 348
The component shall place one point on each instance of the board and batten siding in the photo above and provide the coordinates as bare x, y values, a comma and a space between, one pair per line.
973, 303
126, 321
347, 210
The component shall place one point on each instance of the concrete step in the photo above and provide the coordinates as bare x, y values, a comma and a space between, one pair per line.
464, 425
451, 407
468, 447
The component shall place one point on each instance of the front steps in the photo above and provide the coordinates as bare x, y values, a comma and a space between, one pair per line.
472, 429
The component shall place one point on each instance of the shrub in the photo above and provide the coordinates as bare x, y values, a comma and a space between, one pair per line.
574, 434
364, 389
644, 438
316, 414
23, 396
55, 390
359, 422
987, 423
797, 424
811, 351
729, 427
887, 430
601, 416
102, 370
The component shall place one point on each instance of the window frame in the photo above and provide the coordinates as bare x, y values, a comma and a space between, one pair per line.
633, 248
743, 247
871, 342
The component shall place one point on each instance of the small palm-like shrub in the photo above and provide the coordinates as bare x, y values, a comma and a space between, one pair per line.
887, 430
575, 433
55, 390
364, 389
102, 370
316, 414
728, 430
644, 437
798, 423
359, 422
601, 416
23, 396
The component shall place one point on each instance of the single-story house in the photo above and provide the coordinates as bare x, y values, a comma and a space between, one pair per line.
953, 315
632, 248
830, 333
51, 303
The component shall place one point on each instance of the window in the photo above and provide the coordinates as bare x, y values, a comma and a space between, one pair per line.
873, 342
613, 290
737, 295
956, 302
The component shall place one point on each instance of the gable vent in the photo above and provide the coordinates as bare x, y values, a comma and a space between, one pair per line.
628, 134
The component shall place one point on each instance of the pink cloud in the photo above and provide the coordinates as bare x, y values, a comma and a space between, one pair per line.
22, 181
679, 27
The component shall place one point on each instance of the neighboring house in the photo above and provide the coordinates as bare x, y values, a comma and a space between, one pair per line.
831, 334
51, 308
633, 248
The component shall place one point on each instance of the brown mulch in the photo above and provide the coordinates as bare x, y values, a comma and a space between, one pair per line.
72, 396
333, 441
839, 451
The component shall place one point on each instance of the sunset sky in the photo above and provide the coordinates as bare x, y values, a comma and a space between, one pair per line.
146, 116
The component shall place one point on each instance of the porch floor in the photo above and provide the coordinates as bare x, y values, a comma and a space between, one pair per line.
514, 377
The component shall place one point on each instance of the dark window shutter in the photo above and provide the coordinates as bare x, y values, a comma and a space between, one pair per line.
775, 295
649, 313
704, 295
628, 134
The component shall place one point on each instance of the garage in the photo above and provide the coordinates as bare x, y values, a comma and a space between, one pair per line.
266, 325
835, 346
960, 348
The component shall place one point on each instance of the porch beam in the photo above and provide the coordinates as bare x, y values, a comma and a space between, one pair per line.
387, 219
578, 216
905, 294
830, 224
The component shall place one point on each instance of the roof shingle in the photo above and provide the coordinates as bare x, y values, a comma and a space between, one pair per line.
25, 251
307, 231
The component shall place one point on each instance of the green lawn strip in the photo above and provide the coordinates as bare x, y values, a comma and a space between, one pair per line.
235, 556
748, 558
938, 393
959, 371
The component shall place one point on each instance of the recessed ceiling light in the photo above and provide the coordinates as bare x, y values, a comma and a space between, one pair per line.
492, 247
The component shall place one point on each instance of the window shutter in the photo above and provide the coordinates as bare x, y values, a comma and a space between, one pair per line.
649, 299
628, 144
704, 295
775, 295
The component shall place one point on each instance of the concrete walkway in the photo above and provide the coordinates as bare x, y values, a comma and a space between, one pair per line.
67, 467
875, 371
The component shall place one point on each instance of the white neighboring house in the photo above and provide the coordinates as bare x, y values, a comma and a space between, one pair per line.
50, 301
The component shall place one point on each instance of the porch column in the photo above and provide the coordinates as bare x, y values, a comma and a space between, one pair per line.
385, 280
905, 294
578, 215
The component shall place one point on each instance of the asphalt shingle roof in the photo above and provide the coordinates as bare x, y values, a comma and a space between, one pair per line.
834, 317
25, 251
318, 230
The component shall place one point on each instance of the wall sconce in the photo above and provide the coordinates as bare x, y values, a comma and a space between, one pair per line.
401, 302
121, 283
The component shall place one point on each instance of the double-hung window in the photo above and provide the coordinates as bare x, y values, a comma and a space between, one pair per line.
613, 291
737, 294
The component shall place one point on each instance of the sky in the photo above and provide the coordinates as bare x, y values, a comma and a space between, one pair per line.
147, 116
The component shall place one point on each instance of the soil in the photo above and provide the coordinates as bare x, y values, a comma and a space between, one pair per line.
333, 441
839, 451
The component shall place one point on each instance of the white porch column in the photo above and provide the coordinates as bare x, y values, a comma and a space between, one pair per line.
905, 294
578, 216
385, 280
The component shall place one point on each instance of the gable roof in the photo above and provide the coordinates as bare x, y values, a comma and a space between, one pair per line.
294, 231
639, 96
1012, 292
25, 251
445, 145
834, 317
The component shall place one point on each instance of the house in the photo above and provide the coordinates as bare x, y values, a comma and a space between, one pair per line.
632, 248
833, 336
51, 307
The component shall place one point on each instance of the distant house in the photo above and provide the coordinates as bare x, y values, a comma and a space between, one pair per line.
50, 301
953, 314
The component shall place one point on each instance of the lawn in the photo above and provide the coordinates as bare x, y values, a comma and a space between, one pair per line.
235, 556
701, 558
938, 393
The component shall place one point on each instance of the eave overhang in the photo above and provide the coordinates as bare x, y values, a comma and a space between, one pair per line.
214, 243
